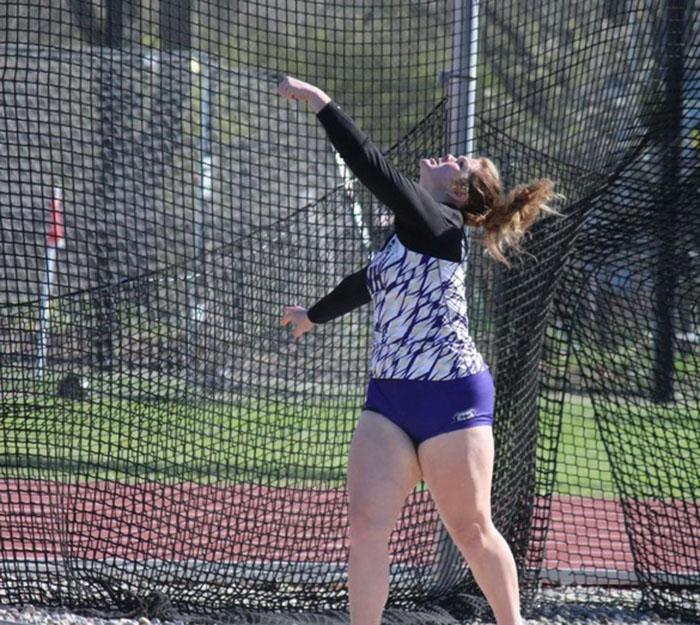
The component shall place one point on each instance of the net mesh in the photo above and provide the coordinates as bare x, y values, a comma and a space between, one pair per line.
166, 447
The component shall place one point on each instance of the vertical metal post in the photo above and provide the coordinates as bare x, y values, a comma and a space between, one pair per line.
666, 268
461, 92
114, 29
203, 186
176, 24
203, 191
45, 311
461, 83
111, 111
54, 240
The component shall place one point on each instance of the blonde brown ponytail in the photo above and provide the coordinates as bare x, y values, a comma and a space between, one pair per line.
504, 220
511, 217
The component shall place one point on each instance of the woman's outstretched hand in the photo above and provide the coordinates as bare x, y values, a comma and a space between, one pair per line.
297, 316
295, 89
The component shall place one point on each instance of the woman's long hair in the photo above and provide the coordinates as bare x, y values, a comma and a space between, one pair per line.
504, 220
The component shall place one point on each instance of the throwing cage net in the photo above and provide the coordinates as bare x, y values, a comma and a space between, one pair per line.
167, 447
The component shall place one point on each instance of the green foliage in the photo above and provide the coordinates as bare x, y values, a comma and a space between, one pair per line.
246, 441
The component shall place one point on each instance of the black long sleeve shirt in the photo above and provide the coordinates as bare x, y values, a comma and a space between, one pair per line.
422, 223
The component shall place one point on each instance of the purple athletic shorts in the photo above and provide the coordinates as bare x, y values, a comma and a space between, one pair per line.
426, 408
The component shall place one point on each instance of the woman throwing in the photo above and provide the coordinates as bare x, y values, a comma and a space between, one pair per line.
429, 405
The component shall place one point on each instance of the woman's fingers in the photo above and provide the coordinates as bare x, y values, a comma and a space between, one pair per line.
288, 315
286, 87
296, 315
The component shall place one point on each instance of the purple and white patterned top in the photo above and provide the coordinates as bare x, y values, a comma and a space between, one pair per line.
421, 330
416, 280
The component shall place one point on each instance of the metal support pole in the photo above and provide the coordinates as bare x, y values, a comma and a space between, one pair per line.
203, 193
203, 186
45, 311
357, 212
461, 83
114, 30
54, 240
666, 267
111, 111
461, 91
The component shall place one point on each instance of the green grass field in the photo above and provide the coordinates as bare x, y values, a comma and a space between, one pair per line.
655, 447
167, 440
299, 439
286, 442
582, 462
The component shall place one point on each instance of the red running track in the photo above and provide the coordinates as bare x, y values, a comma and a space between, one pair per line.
41, 519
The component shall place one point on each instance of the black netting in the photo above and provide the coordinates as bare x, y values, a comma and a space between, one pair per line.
167, 448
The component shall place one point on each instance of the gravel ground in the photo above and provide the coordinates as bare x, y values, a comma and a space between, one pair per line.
555, 606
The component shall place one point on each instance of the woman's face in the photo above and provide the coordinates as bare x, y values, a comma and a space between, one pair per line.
437, 174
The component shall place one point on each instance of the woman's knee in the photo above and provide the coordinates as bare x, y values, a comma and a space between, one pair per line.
366, 522
472, 534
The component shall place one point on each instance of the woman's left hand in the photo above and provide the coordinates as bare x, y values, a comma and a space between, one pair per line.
298, 317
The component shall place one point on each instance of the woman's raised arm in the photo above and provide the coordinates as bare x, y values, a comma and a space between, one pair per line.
411, 204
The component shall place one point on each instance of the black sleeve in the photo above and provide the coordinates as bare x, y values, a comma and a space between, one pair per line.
410, 203
351, 293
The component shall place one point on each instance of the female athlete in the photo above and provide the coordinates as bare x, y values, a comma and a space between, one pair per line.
429, 403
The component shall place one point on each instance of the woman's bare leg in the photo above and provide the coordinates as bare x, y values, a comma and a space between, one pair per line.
458, 468
382, 470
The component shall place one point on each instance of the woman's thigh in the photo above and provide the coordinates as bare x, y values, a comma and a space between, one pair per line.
457, 469
383, 468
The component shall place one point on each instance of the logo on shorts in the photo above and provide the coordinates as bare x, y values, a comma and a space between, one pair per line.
465, 415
